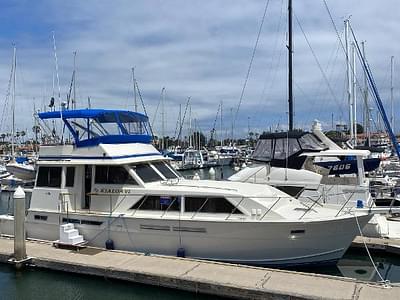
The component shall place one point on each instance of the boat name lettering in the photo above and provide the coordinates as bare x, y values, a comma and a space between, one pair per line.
111, 191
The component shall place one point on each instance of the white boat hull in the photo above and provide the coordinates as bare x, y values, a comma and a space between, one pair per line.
247, 242
21, 171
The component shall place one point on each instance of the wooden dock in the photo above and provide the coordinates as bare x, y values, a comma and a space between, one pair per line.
228, 280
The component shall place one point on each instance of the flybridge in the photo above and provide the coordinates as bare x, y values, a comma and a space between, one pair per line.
90, 127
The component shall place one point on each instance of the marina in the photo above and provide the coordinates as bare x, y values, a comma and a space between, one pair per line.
185, 179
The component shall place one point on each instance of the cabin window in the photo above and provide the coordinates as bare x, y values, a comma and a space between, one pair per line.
83, 222
293, 146
113, 175
310, 142
165, 170
90, 222
69, 220
209, 205
146, 173
40, 217
70, 177
280, 149
152, 202
49, 177
263, 150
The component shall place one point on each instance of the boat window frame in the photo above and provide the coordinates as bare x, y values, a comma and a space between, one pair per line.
129, 181
50, 177
68, 178
168, 166
168, 207
233, 209
157, 172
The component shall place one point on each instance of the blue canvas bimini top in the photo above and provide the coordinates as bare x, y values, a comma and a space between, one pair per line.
103, 115
91, 127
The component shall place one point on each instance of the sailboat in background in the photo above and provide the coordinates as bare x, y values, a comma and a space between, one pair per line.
19, 167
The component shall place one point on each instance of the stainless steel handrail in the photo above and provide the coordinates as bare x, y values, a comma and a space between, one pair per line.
279, 198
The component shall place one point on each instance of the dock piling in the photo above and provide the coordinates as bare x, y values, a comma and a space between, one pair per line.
19, 226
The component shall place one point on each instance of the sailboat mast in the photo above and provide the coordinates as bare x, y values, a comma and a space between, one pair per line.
163, 119
220, 127
366, 105
232, 126
134, 89
74, 100
354, 96
290, 61
56, 63
349, 76
180, 123
391, 93
190, 126
14, 67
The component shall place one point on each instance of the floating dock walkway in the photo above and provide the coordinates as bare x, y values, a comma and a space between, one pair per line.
227, 280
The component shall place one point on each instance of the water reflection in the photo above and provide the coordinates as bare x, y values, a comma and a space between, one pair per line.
356, 264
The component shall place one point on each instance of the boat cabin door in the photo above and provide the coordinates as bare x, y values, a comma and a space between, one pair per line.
87, 186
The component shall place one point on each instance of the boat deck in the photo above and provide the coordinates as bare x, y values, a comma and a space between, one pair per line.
228, 280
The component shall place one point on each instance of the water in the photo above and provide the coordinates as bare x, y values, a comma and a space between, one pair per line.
356, 264
33, 283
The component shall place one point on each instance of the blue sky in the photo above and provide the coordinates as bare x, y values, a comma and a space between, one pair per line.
200, 49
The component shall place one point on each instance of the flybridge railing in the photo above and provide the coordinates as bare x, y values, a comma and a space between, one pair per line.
66, 206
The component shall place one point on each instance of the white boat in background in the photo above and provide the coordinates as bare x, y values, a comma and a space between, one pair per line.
21, 171
290, 162
3, 172
191, 159
120, 192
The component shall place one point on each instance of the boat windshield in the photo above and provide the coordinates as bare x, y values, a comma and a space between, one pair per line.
146, 172
165, 169
310, 142
263, 150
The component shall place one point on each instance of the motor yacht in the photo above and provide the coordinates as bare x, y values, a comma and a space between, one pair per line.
119, 192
